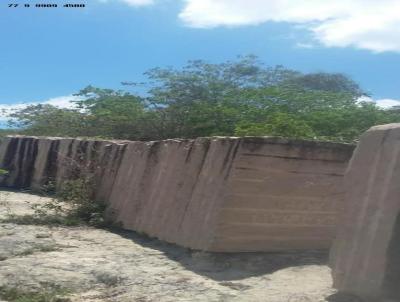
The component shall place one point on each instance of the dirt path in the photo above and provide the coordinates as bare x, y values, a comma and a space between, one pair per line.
100, 265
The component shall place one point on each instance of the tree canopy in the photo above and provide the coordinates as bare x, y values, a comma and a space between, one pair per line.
235, 98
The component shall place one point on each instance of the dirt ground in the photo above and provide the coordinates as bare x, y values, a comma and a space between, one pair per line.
102, 265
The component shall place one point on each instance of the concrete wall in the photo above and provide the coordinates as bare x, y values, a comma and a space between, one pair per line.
217, 194
366, 253
282, 194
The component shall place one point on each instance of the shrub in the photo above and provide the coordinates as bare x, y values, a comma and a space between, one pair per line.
71, 204
78, 195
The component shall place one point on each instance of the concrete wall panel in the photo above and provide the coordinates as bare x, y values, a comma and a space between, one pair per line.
365, 255
218, 194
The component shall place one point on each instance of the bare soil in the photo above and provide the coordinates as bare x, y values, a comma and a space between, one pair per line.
105, 265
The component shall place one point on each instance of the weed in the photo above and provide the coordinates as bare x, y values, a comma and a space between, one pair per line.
37, 248
79, 194
26, 252
44, 219
71, 204
14, 294
107, 278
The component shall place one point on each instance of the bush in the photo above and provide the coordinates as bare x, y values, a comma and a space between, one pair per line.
78, 195
72, 204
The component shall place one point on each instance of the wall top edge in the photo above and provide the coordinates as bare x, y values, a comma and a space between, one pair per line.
256, 140
385, 127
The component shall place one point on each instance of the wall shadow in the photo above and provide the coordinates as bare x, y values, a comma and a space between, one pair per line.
343, 297
228, 266
390, 287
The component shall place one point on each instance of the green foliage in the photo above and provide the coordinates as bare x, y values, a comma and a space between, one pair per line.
329, 82
78, 194
71, 204
5, 132
37, 248
241, 97
48, 120
279, 124
14, 294
42, 218
112, 113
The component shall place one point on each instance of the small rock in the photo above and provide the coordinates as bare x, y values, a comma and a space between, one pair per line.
42, 235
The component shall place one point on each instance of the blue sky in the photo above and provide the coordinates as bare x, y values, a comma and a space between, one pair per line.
49, 54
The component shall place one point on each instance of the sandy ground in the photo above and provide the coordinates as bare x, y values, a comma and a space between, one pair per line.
101, 265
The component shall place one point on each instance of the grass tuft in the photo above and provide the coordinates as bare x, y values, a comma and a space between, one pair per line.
14, 294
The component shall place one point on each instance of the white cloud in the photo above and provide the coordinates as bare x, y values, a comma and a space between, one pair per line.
367, 24
387, 103
138, 2
60, 102
63, 101
305, 45
133, 2
383, 103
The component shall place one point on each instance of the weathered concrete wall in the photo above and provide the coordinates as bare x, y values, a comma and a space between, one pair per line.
366, 253
34, 162
282, 194
217, 194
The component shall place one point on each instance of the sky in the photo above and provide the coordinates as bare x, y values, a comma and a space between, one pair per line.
48, 54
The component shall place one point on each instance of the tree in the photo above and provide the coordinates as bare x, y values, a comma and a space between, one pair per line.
114, 114
279, 124
329, 82
48, 120
242, 97
203, 99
